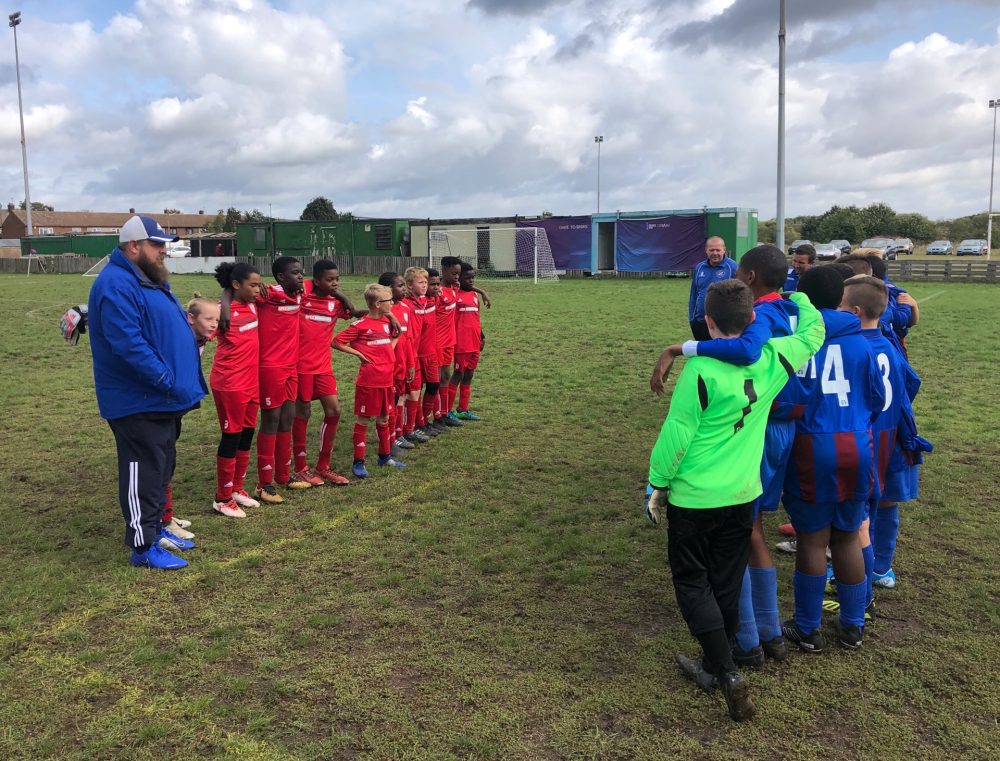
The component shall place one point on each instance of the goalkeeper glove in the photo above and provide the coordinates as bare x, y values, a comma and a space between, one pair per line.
656, 501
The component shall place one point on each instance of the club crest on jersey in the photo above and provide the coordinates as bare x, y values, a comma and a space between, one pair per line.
386, 328
331, 306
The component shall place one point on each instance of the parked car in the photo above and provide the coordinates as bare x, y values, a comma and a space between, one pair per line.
795, 244
902, 246
972, 247
844, 246
826, 252
940, 247
178, 250
882, 245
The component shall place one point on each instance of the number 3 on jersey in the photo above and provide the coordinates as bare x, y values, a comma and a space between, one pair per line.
832, 379
883, 365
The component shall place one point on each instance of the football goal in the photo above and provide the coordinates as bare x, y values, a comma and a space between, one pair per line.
96, 269
502, 253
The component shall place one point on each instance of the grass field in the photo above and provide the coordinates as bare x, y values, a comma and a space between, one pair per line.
501, 598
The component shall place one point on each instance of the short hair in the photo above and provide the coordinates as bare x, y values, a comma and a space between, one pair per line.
466, 267
386, 279
282, 263
412, 274
324, 265
879, 269
450, 261
808, 249
197, 304
845, 270
431, 272
823, 285
866, 292
859, 264
769, 264
227, 272
376, 292
730, 305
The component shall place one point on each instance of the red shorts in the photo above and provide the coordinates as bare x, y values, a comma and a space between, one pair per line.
418, 380
446, 355
372, 401
277, 386
429, 368
313, 386
400, 387
236, 409
467, 360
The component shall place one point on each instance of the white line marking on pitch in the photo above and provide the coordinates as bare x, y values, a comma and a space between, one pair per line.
928, 298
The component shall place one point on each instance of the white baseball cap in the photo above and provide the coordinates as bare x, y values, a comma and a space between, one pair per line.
144, 228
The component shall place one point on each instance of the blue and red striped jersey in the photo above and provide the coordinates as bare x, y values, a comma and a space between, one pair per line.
833, 457
891, 370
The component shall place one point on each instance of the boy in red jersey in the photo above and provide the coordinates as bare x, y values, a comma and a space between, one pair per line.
469, 342
322, 305
415, 279
447, 302
406, 358
235, 387
278, 310
370, 340
425, 308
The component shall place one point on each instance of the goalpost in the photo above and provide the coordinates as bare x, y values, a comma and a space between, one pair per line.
39, 264
96, 269
501, 253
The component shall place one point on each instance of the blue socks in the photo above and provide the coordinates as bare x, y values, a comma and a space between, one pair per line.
852, 603
809, 600
746, 635
764, 582
869, 555
886, 531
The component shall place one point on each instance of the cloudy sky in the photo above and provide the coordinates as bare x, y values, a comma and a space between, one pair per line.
490, 107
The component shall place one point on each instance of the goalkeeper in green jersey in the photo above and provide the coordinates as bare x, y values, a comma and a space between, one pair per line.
704, 474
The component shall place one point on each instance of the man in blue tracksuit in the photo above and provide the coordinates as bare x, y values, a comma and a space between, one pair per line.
147, 374
717, 266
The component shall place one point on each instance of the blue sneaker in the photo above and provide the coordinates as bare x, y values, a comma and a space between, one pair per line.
467, 415
451, 419
388, 460
170, 541
157, 557
885, 580
359, 470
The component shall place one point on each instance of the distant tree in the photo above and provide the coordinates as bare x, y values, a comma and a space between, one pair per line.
972, 226
915, 226
767, 228
878, 219
319, 209
255, 215
172, 211
233, 217
37, 206
217, 224
841, 223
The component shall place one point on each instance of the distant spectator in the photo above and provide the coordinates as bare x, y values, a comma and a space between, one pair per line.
803, 258
219, 250
717, 266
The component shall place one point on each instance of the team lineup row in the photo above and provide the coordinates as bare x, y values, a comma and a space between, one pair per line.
804, 401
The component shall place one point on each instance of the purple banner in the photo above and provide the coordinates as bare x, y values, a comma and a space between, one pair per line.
663, 244
569, 239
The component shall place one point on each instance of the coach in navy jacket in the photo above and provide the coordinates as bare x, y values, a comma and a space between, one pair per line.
147, 374
717, 266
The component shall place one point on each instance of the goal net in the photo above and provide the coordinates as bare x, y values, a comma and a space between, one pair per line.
503, 253
36, 264
96, 269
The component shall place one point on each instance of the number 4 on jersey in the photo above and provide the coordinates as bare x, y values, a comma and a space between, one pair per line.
833, 380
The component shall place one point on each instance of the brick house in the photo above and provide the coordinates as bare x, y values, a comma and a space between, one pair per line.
66, 222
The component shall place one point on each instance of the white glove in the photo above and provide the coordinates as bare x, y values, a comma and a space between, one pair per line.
656, 502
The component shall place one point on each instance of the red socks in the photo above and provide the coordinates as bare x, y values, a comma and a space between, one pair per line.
282, 456
393, 411
412, 407
400, 421
168, 508
300, 426
265, 458
430, 404
327, 433
360, 432
242, 463
384, 442
464, 394
225, 468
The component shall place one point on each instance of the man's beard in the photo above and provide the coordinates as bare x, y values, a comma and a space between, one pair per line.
154, 269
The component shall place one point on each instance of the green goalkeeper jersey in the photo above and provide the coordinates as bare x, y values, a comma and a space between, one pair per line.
709, 450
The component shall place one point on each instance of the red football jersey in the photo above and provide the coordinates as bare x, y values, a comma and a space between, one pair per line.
317, 319
424, 309
372, 338
467, 324
234, 367
405, 353
279, 327
446, 303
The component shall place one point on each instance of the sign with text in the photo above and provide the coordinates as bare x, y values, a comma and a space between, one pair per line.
663, 244
569, 239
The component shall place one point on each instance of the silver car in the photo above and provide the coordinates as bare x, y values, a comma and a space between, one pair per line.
972, 247
826, 252
940, 247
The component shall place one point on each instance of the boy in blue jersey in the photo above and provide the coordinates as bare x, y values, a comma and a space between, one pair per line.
831, 473
901, 312
763, 269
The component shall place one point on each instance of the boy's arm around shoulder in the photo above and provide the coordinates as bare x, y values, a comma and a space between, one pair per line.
678, 429
793, 351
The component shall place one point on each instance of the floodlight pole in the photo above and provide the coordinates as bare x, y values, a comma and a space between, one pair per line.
780, 211
14, 19
994, 104
598, 139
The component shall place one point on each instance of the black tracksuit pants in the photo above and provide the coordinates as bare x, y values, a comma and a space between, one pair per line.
708, 550
147, 456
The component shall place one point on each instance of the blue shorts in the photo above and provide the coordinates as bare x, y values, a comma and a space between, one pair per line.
808, 517
902, 485
778, 439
